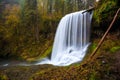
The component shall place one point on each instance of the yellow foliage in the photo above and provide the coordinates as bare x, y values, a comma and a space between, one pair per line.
12, 15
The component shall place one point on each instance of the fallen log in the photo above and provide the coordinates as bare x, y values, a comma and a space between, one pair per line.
102, 39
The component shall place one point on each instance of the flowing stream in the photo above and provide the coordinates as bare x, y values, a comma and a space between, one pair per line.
71, 40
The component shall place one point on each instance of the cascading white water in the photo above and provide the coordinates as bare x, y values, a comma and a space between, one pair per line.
71, 40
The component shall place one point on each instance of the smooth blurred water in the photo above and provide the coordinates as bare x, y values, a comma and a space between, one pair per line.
71, 40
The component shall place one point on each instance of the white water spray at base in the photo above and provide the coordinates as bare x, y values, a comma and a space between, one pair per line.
71, 40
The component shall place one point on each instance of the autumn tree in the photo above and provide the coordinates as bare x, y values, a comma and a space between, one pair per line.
30, 19
59, 7
10, 30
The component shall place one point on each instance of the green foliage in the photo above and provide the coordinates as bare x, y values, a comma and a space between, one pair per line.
107, 45
47, 52
114, 49
9, 32
92, 47
3, 77
93, 76
104, 11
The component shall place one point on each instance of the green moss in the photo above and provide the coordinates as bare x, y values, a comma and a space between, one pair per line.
107, 45
92, 76
36, 51
3, 77
47, 52
92, 47
41, 56
114, 49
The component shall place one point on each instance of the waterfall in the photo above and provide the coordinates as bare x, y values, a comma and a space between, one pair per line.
71, 40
